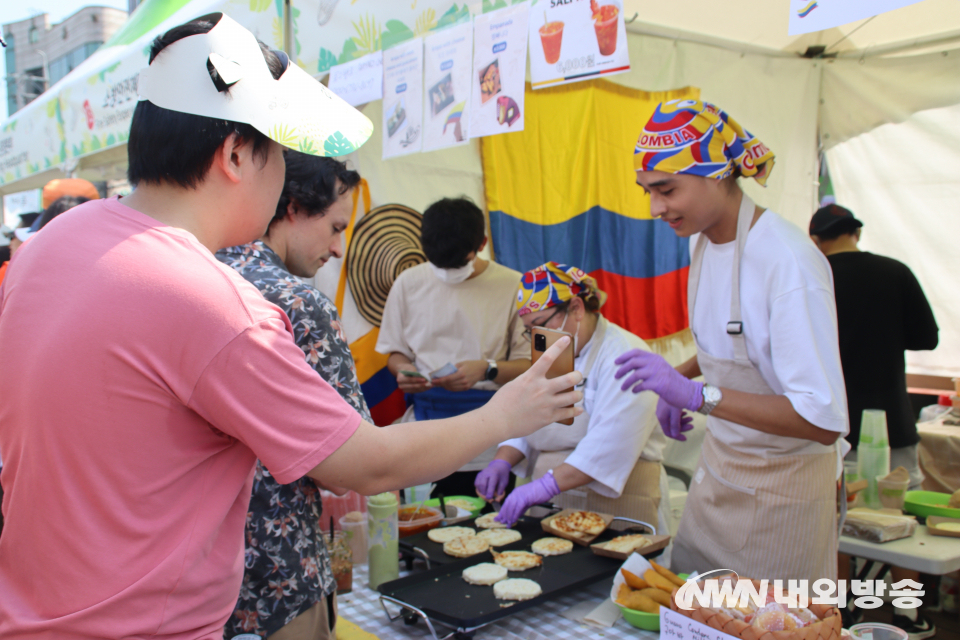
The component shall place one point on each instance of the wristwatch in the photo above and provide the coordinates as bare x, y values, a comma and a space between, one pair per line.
492, 370
711, 398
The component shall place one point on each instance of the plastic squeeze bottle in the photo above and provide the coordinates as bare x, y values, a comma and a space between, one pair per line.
383, 534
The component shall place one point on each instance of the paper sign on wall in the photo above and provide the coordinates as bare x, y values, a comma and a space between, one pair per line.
499, 71
403, 99
447, 60
575, 41
817, 15
358, 81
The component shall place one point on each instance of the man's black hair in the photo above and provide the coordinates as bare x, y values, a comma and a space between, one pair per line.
58, 206
313, 183
839, 228
453, 228
168, 146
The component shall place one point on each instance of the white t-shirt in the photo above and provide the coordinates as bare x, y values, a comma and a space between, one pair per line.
616, 428
434, 323
790, 325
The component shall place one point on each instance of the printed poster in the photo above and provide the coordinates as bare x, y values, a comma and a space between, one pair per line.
499, 71
816, 15
403, 99
575, 41
359, 81
447, 73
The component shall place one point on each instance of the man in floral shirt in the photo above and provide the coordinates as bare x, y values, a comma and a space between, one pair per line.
288, 588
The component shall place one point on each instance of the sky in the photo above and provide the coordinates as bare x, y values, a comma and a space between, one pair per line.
15, 10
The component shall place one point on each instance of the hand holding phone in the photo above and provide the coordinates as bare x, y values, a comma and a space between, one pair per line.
411, 381
543, 339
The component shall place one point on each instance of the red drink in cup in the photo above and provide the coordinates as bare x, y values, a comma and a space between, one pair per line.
605, 24
551, 34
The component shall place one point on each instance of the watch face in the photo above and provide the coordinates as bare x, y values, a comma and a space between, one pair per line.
711, 394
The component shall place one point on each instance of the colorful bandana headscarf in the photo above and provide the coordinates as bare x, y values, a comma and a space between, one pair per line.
551, 284
697, 138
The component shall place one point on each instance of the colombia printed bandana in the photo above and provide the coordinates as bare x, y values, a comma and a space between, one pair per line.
551, 284
697, 138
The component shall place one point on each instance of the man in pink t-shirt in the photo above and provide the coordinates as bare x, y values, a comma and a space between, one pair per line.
142, 378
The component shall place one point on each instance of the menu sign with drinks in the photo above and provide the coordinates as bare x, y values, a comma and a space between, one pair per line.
574, 40
499, 71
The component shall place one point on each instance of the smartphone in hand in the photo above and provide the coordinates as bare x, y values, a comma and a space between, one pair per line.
543, 339
413, 374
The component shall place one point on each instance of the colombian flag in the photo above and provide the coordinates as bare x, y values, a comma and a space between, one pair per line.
564, 189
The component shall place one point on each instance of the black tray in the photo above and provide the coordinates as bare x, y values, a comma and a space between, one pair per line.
421, 546
441, 595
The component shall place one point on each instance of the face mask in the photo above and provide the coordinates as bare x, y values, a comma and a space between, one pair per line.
453, 276
576, 332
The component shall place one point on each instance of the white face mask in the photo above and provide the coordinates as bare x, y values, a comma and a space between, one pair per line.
576, 332
453, 276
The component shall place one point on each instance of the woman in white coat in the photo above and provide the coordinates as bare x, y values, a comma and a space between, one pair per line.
609, 459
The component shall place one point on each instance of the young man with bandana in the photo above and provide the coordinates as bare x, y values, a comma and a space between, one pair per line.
457, 308
609, 459
126, 490
763, 499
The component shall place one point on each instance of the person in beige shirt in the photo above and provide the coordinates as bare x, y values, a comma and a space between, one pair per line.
456, 311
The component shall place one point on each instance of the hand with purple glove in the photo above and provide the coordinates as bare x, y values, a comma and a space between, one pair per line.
674, 422
525, 496
491, 483
650, 372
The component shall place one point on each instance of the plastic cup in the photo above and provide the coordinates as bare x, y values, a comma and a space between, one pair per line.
341, 560
606, 29
551, 36
873, 429
418, 493
355, 531
892, 493
873, 463
877, 631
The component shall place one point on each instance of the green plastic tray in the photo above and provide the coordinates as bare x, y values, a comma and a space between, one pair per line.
478, 503
929, 503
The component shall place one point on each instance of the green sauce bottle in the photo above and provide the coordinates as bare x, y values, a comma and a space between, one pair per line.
383, 534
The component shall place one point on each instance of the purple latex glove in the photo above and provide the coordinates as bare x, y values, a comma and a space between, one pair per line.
651, 372
525, 496
492, 481
674, 422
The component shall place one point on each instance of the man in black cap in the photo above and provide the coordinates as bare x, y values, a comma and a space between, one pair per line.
881, 311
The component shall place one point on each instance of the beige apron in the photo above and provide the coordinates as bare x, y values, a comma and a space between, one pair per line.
765, 518
640, 499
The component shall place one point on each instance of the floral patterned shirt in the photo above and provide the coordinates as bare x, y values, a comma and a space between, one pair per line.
287, 568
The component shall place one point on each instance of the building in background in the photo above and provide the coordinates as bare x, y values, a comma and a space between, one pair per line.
39, 53
133, 4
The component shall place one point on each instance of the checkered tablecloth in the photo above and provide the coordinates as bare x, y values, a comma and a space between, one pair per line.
545, 622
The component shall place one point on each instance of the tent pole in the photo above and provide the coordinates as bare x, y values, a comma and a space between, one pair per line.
289, 46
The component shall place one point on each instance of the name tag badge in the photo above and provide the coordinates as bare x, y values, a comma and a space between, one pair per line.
699, 477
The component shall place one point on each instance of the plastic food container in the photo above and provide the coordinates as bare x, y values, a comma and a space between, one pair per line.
892, 492
877, 631
929, 503
354, 526
473, 504
341, 560
412, 520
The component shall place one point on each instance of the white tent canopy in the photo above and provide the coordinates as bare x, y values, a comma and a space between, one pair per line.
876, 73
